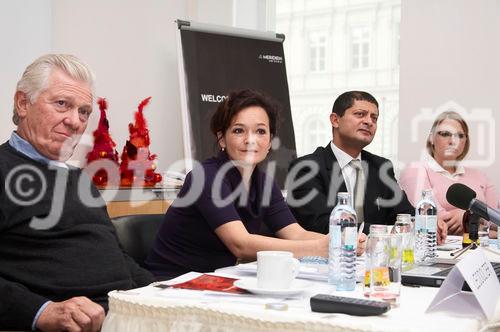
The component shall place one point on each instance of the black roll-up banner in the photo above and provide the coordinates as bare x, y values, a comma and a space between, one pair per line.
217, 64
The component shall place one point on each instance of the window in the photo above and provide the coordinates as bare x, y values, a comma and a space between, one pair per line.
397, 43
355, 45
317, 52
318, 132
360, 48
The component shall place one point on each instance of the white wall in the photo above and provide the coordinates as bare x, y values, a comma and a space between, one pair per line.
450, 59
251, 14
24, 35
130, 45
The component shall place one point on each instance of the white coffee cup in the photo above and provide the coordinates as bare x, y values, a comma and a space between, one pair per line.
276, 269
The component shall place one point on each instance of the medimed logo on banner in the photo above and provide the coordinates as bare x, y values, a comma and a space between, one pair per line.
271, 58
253, 63
208, 98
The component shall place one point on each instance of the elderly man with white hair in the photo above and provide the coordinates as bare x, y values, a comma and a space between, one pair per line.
59, 255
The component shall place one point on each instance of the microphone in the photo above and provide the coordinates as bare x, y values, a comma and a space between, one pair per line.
463, 197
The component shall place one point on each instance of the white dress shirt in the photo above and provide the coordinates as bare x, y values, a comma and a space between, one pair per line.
348, 172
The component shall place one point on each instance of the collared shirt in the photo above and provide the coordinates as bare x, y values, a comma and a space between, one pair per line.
25, 147
348, 172
433, 165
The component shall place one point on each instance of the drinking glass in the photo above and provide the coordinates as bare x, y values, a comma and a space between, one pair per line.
374, 229
384, 256
484, 232
404, 226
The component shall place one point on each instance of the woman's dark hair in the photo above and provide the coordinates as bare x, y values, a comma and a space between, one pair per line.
239, 100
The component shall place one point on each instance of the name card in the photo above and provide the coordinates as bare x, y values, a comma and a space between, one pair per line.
482, 280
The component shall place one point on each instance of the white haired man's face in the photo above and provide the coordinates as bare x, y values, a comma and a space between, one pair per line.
55, 121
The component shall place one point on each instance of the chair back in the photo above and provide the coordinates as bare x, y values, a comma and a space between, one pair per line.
137, 234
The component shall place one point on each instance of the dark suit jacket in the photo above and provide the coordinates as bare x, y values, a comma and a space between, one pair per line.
327, 180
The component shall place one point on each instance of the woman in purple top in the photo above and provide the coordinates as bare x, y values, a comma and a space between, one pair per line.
217, 216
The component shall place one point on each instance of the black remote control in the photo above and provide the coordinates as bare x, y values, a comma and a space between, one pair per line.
348, 305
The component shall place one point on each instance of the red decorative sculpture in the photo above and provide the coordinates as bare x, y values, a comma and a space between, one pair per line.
138, 164
104, 146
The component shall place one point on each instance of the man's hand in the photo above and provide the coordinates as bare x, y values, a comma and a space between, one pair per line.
361, 244
442, 231
453, 220
75, 314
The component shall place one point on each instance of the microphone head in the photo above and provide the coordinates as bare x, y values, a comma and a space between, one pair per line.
460, 196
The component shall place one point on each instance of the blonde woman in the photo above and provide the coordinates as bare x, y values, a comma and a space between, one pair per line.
447, 144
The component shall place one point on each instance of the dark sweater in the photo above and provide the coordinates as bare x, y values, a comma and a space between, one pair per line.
79, 256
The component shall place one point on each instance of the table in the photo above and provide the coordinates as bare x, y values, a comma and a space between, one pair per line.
128, 201
154, 309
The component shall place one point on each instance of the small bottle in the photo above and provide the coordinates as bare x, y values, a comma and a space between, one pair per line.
498, 237
470, 223
343, 244
426, 228
465, 224
498, 230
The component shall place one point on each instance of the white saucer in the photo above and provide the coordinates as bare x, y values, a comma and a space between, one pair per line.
297, 287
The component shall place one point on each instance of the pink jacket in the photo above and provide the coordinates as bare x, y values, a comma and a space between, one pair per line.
419, 176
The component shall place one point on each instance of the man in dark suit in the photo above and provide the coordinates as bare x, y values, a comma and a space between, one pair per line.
343, 166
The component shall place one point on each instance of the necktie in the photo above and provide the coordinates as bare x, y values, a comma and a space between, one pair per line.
359, 189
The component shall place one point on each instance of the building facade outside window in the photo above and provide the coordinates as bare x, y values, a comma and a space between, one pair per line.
317, 52
318, 131
360, 47
359, 42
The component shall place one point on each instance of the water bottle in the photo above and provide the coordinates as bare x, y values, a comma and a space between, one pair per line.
343, 244
498, 230
498, 238
426, 228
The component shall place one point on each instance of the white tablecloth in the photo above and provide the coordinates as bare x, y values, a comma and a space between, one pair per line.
152, 309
